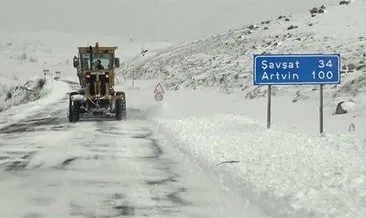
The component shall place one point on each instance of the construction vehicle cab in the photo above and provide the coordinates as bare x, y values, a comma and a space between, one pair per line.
96, 96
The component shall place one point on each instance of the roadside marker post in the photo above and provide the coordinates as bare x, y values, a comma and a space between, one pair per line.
133, 80
45, 73
296, 69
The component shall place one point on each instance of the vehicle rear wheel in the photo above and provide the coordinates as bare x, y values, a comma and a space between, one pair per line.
121, 106
74, 109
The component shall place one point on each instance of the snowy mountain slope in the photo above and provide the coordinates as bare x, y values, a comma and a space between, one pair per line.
21, 78
225, 59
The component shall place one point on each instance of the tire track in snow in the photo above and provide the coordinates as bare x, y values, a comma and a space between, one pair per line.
96, 150
159, 163
15, 154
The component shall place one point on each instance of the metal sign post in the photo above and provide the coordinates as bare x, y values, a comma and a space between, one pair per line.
296, 69
269, 106
321, 112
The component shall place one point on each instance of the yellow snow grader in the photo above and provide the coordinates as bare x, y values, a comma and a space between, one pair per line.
96, 96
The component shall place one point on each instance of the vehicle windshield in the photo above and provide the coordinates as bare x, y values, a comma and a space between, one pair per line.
105, 59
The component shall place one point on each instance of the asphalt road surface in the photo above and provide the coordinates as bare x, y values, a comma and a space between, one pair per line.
52, 168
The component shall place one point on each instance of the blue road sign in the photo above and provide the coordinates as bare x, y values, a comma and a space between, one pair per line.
296, 69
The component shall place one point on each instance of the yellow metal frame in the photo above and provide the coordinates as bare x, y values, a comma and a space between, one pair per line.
97, 83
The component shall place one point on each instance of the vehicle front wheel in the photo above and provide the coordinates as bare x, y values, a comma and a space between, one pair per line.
74, 109
121, 113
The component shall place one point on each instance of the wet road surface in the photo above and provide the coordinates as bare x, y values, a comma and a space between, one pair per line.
52, 168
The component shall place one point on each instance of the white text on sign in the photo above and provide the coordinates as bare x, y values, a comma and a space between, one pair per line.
294, 75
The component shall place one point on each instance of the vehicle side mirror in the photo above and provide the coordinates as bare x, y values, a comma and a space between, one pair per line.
116, 62
76, 62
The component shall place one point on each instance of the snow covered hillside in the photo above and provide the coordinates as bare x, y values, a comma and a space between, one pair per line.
21, 75
225, 60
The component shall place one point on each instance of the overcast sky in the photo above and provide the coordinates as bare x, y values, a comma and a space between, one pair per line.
161, 20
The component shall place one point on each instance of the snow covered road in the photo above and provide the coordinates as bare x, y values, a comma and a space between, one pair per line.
51, 168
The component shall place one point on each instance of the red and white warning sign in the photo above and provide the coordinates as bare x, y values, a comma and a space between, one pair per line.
158, 92
158, 96
158, 89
